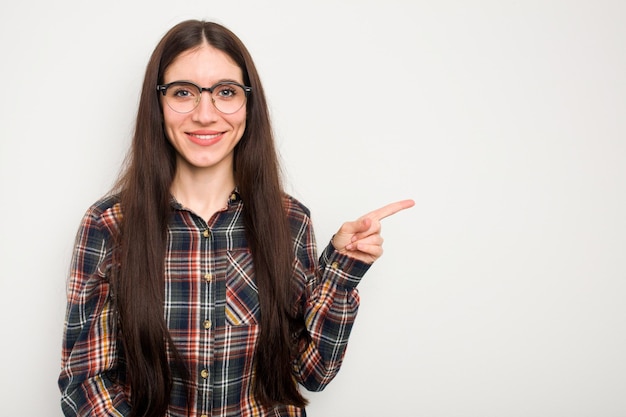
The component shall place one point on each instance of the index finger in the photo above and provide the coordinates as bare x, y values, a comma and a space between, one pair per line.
390, 209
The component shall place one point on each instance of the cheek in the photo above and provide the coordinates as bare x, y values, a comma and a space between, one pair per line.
239, 122
171, 120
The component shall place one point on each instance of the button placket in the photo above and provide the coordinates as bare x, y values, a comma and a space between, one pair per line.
206, 321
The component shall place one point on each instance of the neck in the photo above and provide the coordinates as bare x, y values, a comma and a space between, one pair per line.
202, 192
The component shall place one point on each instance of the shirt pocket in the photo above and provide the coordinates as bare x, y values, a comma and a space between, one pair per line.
242, 294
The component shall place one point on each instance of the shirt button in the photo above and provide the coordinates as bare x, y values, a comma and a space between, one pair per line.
204, 373
208, 277
335, 265
204, 415
207, 324
233, 197
206, 233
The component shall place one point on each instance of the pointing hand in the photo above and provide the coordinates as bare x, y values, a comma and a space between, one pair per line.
361, 238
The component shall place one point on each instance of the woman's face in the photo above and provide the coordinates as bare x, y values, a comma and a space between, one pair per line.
204, 138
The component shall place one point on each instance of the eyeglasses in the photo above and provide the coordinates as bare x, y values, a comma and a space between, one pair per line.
184, 96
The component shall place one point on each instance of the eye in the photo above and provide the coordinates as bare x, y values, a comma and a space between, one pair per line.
226, 91
182, 91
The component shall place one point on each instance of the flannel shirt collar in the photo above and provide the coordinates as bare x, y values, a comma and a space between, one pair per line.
234, 198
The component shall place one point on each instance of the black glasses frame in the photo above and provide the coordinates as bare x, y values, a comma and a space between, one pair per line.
162, 88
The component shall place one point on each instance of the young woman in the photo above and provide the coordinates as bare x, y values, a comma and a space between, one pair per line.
195, 287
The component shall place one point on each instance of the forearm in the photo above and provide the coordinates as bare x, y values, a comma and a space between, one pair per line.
97, 396
330, 313
89, 381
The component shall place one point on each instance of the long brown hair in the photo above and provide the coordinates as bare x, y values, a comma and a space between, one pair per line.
145, 200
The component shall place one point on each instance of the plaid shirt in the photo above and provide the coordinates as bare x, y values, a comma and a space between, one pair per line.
211, 309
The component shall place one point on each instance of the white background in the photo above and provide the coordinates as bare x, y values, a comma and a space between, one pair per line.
502, 293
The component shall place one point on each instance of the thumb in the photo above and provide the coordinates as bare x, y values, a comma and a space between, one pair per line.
348, 231
357, 226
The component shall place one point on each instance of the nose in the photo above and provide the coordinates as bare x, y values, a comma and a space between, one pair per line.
205, 112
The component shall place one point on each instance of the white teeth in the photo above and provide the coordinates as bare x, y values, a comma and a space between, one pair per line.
206, 137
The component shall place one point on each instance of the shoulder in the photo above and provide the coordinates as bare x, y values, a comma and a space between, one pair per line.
299, 218
104, 204
295, 208
104, 214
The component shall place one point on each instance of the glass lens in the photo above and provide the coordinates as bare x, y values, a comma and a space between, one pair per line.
228, 98
182, 97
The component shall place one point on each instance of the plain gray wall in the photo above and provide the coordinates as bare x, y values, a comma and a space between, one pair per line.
500, 294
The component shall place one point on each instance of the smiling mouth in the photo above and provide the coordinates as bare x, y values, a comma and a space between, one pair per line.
205, 137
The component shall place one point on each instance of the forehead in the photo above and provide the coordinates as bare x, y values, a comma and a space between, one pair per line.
204, 65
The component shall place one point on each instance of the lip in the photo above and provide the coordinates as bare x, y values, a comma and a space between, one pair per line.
205, 137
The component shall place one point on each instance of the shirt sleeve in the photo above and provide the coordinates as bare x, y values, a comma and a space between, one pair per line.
89, 364
330, 304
